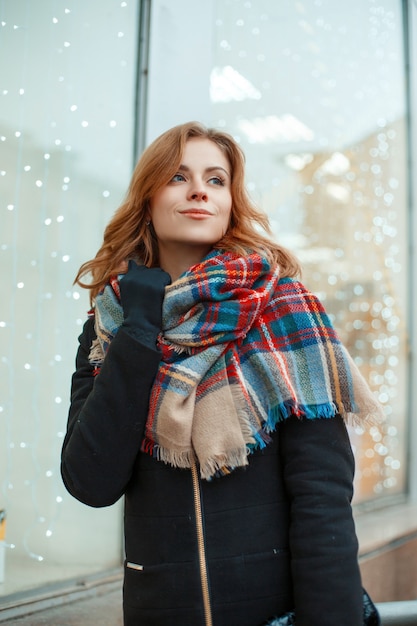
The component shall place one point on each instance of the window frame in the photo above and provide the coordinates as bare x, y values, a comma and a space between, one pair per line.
410, 32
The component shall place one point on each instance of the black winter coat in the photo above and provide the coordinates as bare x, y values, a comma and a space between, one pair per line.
234, 551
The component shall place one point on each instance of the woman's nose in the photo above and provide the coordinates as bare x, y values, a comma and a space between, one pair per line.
198, 194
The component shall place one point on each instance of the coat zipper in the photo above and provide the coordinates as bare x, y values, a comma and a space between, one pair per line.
201, 546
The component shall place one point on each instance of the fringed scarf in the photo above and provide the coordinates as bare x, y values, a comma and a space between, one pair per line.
241, 350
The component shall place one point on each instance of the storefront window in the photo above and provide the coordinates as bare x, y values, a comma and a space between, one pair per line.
315, 93
67, 92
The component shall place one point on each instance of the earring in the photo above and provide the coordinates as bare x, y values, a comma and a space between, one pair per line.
147, 223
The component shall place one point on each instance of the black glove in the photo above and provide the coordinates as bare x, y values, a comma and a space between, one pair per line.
142, 291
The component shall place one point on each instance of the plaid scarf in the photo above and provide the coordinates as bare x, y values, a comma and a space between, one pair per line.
241, 351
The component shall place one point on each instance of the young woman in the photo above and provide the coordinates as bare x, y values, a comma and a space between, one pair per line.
211, 391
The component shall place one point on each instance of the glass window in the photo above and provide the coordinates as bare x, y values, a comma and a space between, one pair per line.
67, 91
315, 93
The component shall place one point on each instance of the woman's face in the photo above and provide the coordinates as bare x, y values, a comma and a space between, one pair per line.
193, 209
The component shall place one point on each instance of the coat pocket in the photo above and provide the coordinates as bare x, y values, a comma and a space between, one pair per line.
162, 586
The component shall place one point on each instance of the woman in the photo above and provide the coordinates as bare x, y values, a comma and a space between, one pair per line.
211, 391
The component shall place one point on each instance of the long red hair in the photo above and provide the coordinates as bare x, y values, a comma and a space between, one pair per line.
128, 236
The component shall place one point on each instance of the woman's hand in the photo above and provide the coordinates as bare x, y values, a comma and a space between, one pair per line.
142, 291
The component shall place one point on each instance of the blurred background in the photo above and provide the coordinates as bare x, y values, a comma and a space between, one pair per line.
321, 95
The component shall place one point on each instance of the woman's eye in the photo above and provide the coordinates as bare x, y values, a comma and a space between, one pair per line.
177, 178
216, 180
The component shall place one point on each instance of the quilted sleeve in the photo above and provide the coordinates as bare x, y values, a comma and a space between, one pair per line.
107, 418
318, 468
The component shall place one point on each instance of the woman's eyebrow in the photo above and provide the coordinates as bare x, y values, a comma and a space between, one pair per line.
211, 168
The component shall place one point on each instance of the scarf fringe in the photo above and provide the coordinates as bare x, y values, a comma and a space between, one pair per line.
218, 465
262, 437
223, 464
96, 355
372, 414
174, 347
290, 407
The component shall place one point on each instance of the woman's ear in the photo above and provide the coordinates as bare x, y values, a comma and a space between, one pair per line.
148, 216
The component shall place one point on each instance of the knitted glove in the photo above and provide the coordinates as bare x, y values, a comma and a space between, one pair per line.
142, 291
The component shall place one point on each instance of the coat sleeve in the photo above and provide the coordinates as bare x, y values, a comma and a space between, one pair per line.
318, 469
107, 418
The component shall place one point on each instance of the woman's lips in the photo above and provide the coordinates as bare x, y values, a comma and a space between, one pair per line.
196, 213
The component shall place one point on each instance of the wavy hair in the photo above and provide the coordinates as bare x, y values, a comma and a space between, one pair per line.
128, 236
